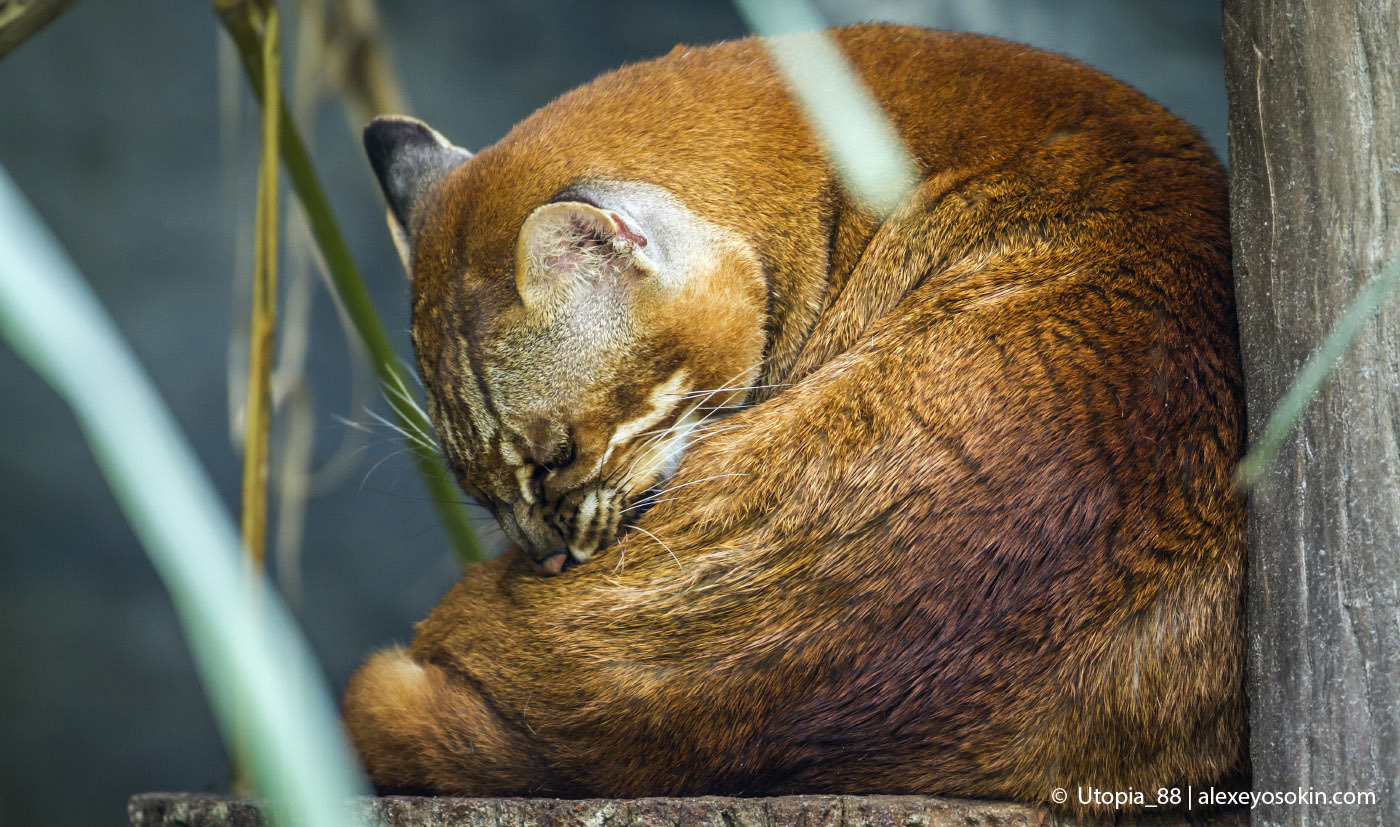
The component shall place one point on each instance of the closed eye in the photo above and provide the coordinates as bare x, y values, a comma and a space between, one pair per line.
537, 477
559, 459
562, 457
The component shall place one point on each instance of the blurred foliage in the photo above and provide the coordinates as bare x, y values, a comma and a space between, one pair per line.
22, 19
269, 696
1314, 374
243, 22
861, 142
258, 422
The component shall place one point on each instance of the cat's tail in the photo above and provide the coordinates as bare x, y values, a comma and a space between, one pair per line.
411, 724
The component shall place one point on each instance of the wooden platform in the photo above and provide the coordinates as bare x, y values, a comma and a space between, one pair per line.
186, 810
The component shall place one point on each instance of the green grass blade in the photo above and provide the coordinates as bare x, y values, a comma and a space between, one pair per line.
350, 284
265, 689
1314, 375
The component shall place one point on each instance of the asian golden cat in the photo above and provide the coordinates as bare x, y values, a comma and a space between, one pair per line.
934, 504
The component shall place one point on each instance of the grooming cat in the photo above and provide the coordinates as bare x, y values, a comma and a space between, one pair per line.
937, 504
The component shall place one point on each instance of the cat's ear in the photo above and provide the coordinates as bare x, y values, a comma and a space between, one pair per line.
408, 158
570, 242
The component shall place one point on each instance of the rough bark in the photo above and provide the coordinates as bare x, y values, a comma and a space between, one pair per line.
179, 810
1314, 93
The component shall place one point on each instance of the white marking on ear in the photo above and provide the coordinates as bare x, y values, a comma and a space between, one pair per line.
570, 242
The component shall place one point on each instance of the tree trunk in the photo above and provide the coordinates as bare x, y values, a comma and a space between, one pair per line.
1314, 91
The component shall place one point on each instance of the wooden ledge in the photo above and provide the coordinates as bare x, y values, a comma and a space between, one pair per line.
187, 810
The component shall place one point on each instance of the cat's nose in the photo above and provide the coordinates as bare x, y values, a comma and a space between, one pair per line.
537, 539
551, 565
548, 558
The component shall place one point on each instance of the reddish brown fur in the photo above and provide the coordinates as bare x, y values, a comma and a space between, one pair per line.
986, 545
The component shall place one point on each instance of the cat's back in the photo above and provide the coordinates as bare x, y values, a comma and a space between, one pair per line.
717, 126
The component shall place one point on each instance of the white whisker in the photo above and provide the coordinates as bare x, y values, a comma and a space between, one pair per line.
709, 433
348, 422
679, 423
726, 385
412, 422
397, 395
646, 502
658, 442
375, 466
415, 438
696, 482
736, 388
411, 371
663, 545
656, 498
406, 398
652, 444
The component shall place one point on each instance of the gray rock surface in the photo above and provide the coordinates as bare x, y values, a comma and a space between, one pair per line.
187, 810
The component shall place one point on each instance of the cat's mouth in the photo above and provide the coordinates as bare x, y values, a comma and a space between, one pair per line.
555, 563
569, 554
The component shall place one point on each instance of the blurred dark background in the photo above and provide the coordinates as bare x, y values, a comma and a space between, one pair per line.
140, 154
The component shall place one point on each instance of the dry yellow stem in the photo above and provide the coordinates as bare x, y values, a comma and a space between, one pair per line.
257, 423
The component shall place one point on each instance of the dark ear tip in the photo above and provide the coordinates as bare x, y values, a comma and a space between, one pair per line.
408, 157
387, 134
397, 128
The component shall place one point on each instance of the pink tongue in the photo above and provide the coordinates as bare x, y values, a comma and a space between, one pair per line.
552, 564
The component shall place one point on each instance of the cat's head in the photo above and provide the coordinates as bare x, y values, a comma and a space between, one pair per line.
566, 378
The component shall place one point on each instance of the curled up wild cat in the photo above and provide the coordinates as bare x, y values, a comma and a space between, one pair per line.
934, 504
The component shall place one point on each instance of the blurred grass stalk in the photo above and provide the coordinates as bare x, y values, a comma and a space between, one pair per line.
257, 424
1314, 374
340, 56
265, 689
20, 21
863, 146
240, 20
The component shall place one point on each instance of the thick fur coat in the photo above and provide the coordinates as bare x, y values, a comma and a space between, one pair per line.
973, 530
